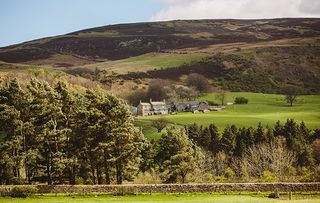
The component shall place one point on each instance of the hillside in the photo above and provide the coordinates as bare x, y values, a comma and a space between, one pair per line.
237, 55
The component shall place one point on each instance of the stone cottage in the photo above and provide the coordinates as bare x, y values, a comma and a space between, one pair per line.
152, 108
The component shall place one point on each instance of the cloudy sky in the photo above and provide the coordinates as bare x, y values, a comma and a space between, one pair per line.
197, 9
23, 20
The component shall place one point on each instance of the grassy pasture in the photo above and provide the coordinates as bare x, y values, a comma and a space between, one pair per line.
148, 62
264, 108
166, 198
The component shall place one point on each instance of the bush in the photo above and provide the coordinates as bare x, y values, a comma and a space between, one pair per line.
124, 191
148, 178
230, 175
23, 191
307, 175
241, 100
79, 181
268, 177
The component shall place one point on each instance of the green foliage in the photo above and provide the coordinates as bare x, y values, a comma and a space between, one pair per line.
177, 155
268, 177
160, 124
148, 177
241, 100
22, 191
307, 175
52, 132
229, 175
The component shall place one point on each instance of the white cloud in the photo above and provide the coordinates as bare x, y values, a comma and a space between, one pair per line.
239, 9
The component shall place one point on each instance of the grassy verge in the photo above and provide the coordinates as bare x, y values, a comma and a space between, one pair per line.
172, 198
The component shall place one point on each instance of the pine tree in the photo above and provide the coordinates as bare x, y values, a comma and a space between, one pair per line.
259, 134
12, 121
194, 132
228, 139
118, 140
177, 155
50, 137
278, 129
214, 139
72, 103
269, 135
240, 146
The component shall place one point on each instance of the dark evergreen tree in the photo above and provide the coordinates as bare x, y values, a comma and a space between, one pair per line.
227, 143
259, 134
214, 139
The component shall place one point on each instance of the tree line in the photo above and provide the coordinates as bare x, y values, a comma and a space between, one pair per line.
57, 134
204, 154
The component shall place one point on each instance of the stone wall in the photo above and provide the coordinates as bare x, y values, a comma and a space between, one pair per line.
174, 188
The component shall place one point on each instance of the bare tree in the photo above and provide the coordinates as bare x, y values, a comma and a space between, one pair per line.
222, 97
274, 157
198, 81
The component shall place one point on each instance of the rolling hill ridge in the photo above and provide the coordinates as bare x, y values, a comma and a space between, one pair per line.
238, 55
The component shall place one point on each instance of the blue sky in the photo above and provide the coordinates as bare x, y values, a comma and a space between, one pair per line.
24, 20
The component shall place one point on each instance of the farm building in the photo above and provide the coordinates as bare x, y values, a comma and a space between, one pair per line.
192, 106
152, 108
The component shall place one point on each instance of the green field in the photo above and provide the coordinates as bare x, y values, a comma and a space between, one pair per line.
264, 108
167, 198
147, 62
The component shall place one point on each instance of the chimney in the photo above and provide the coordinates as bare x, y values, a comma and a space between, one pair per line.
150, 100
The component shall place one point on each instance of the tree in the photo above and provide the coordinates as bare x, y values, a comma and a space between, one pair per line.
278, 129
50, 136
240, 145
71, 105
176, 93
222, 97
214, 139
259, 134
13, 143
156, 89
273, 157
198, 81
177, 155
160, 124
291, 94
118, 141
135, 97
228, 139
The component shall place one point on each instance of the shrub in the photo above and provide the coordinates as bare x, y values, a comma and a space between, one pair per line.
307, 175
80, 181
124, 191
268, 177
160, 124
241, 100
22, 191
148, 178
230, 175
317, 173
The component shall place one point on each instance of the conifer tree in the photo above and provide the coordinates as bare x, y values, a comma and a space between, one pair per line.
46, 115
228, 139
214, 139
